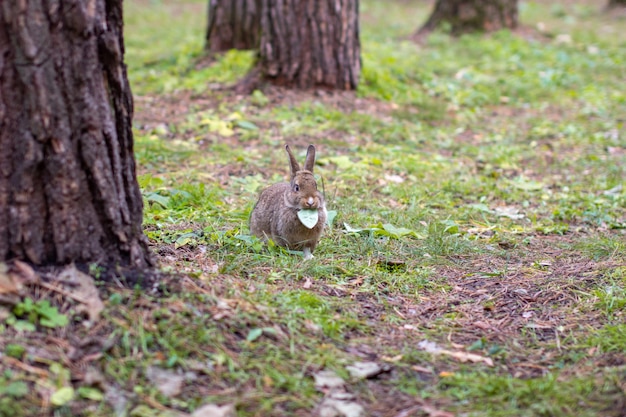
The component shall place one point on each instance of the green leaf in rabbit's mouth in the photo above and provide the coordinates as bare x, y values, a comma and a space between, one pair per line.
308, 217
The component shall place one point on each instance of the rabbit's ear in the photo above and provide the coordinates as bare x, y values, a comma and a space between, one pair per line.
295, 167
310, 158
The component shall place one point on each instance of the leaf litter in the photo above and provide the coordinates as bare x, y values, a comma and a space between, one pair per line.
337, 401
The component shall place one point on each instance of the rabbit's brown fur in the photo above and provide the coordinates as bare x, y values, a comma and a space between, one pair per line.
275, 214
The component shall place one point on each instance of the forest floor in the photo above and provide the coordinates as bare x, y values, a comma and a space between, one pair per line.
475, 264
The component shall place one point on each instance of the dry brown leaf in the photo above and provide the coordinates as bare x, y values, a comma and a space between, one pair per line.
84, 290
392, 358
422, 369
26, 272
357, 281
482, 325
9, 283
167, 382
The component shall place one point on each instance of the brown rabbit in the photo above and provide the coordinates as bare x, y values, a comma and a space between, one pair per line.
275, 215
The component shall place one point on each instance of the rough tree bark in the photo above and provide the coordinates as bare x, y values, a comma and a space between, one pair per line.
233, 24
68, 187
472, 15
307, 44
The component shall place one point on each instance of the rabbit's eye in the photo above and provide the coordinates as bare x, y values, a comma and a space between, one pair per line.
296, 188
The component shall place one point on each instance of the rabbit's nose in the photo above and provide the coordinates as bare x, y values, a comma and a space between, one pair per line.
310, 201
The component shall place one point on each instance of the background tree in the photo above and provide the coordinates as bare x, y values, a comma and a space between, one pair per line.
308, 44
472, 15
233, 24
68, 187
616, 3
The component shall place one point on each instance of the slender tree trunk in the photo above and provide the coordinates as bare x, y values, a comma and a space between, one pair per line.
308, 44
233, 24
68, 187
472, 15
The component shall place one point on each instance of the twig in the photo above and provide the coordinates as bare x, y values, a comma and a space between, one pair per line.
62, 292
24, 367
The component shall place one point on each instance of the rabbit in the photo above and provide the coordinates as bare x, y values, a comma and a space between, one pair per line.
275, 215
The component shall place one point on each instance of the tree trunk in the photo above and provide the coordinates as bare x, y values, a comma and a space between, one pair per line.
233, 24
308, 44
68, 187
616, 3
472, 15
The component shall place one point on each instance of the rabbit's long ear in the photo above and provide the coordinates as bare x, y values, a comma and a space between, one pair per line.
295, 167
310, 158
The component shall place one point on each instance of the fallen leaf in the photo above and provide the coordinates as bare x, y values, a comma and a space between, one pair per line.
8, 282
254, 334
482, 325
563, 38
431, 347
340, 404
26, 272
357, 281
244, 124
364, 370
510, 212
392, 358
62, 396
422, 369
85, 290
433, 412
4, 313
90, 393
327, 379
117, 399
316, 328
212, 410
167, 382
153, 409
386, 229
330, 217
537, 326
394, 178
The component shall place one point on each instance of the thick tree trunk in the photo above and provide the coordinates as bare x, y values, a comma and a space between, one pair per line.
472, 15
233, 24
616, 3
68, 187
308, 44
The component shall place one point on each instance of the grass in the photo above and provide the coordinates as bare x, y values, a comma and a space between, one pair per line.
478, 185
